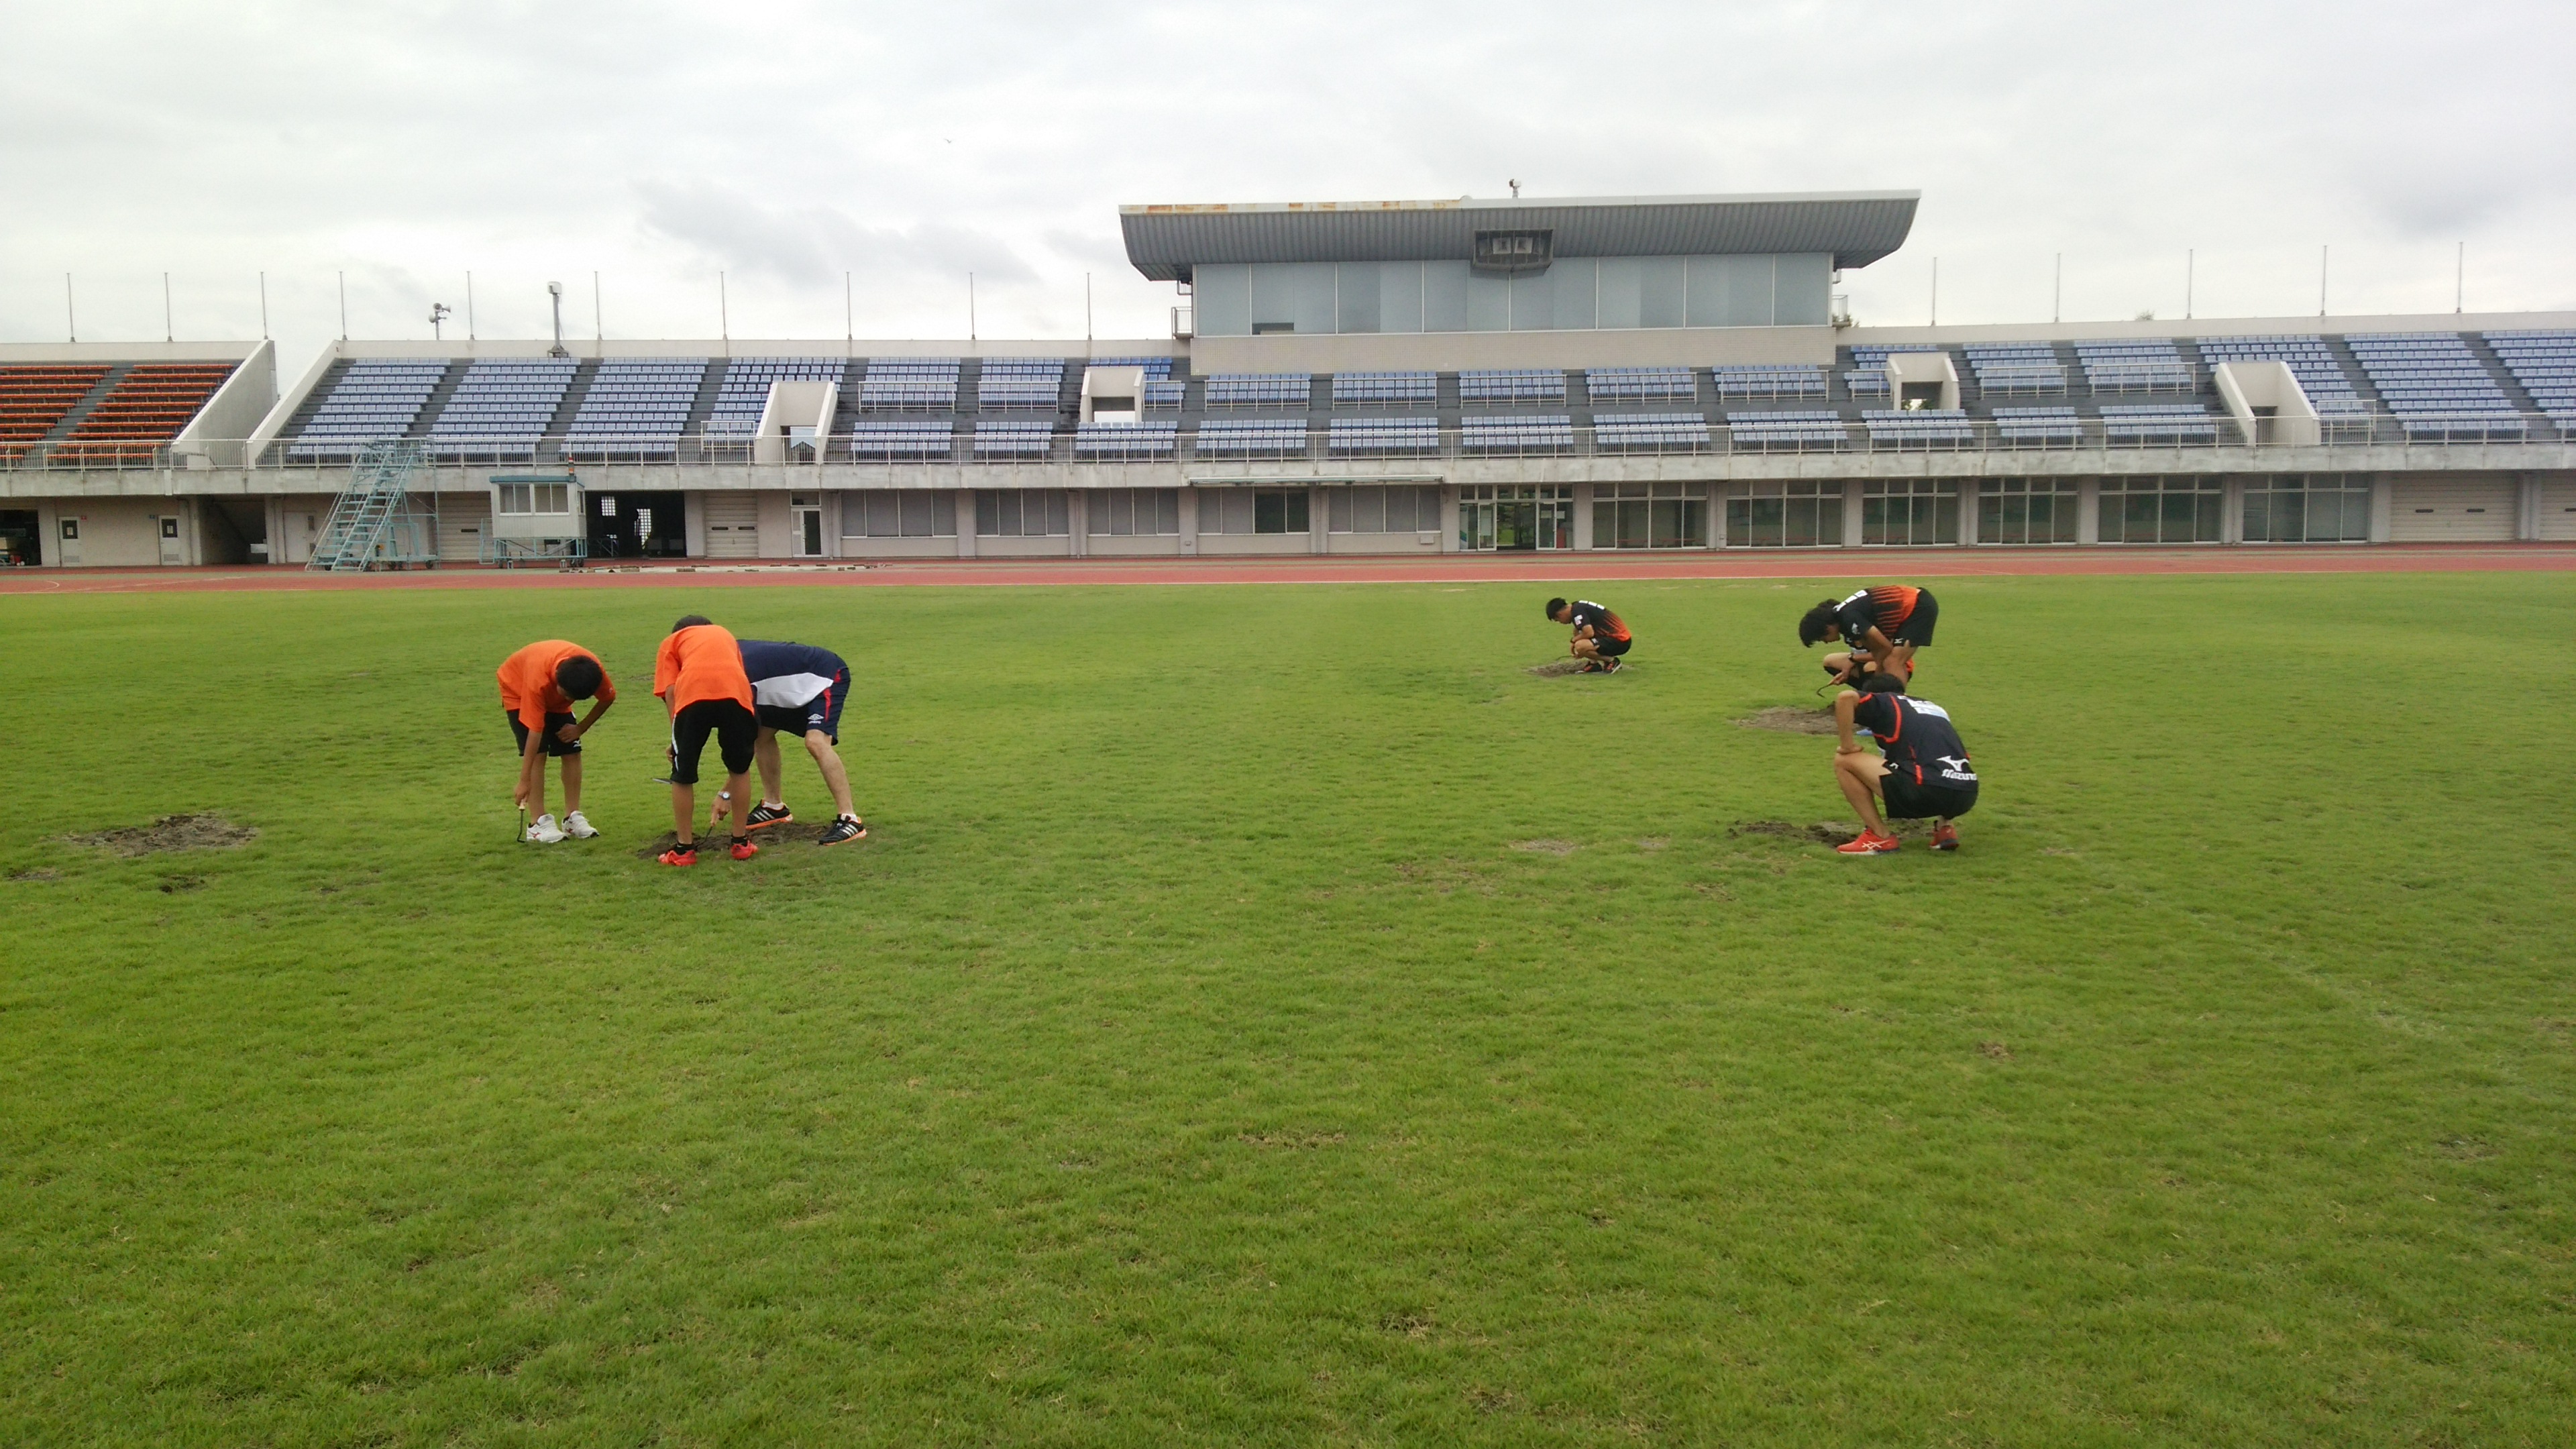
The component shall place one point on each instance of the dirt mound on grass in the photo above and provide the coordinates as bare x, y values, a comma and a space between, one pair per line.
1555, 667
170, 832
1828, 833
794, 832
1545, 847
1792, 720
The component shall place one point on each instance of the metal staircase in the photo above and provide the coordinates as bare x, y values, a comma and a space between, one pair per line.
378, 522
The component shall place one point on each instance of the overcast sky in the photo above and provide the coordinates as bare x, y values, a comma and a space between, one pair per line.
783, 144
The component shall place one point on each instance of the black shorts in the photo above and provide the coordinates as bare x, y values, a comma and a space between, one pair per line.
1610, 648
1905, 800
555, 744
733, 726
1917, 628
822, 712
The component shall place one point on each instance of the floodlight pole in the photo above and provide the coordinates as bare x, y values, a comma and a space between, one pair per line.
71, 318
598, 328
554, 291
469, 306
169, 330
344, 306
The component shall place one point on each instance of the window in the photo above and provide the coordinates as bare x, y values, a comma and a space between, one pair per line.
1649, 515
534, 498
898, 513
1909, 511
2019, 510
1125, 512
1382, 510
1279, 510
1785, 514
2160, 510
2308, 508
1021, 513
1505, 517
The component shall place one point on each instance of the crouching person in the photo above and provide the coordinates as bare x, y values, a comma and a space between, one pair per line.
698, 677
1924, 773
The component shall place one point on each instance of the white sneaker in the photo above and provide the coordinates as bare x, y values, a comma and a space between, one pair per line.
543, 832
578, 828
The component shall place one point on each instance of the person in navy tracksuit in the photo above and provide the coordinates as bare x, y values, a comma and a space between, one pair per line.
798, 689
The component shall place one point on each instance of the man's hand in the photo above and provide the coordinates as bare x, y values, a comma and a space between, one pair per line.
570, 732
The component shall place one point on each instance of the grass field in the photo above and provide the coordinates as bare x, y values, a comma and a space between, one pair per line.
1272, 1016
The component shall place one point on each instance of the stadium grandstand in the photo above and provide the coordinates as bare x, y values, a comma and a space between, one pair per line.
1398, 377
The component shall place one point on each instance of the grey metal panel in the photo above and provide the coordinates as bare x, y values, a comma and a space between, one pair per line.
1855, 228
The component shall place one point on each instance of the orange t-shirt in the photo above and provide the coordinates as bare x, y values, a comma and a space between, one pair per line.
528, 681
701, 662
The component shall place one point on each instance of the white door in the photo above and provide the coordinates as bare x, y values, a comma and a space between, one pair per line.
2477, 508
174, 550
2558, 510
70, 546
733, 525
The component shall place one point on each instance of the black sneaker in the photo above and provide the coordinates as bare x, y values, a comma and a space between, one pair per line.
765, 813
1612, 666
844, 830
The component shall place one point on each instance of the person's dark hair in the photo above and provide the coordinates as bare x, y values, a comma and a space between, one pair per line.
1881, 682
1812, 625
1553, 605
578, 677
690, 621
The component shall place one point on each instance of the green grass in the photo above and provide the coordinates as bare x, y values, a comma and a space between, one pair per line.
1192, 1057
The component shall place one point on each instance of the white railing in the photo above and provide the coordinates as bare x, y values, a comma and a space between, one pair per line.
1831, 433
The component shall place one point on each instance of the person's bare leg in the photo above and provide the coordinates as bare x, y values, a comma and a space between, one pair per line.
739, 786
764, 754
572, 784
828, 760
1858, 775
1900, 659
684, 811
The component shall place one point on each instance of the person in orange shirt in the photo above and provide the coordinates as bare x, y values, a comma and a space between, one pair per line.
538, 687
699, 679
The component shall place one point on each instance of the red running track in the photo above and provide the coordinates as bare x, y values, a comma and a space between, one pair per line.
1306, 569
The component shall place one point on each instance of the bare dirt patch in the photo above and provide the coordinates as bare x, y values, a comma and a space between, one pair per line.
37, 874
794, 832
1790, 719
170, 832
1300, 1141
1545, 847
1555, 667
173, 885
1996, 1050
1827, 833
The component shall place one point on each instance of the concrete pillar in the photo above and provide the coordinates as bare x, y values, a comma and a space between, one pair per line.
1852, 488
2088, 510
2526, 520
965, 523
1077, 513
1967, 512
1448, 518
1189, 522
693, 525
1582, 517
2231, 511
1318, 537
2381, 501
1717, 515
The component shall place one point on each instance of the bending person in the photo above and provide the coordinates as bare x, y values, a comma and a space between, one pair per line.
1599, 635
797, 689
1884, 626
698, 676
1924, 775
538, 687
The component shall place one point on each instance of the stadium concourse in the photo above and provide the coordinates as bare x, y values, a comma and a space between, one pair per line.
1641, 378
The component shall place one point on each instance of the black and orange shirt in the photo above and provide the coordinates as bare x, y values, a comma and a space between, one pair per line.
1605, 625
1882, 608
1917, 738
700, 663
528, 681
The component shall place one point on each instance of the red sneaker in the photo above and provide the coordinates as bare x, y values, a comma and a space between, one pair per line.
683, 855
1945, 836
743, 849
1868, 844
